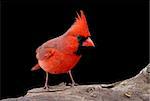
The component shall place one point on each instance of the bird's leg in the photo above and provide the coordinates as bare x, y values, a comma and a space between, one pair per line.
46, 82
72, 80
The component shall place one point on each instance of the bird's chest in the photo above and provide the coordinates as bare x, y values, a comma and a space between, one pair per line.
60, 63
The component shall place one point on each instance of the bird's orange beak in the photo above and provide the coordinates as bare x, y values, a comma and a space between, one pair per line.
88, 43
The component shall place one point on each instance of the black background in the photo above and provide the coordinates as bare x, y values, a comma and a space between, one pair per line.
119, 30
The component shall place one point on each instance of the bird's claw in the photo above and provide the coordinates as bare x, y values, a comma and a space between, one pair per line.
46, 88
73, 84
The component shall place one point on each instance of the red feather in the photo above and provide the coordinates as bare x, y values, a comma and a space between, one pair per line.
58, 55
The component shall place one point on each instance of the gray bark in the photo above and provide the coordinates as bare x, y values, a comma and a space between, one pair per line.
134, 89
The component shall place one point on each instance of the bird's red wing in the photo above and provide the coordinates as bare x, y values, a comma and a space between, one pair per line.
45, 53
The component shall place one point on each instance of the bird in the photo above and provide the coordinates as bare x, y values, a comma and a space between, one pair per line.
60, 54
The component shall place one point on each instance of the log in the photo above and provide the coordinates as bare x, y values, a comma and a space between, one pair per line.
136, 88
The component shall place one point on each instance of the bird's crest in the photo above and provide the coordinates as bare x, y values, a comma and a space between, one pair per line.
80, 26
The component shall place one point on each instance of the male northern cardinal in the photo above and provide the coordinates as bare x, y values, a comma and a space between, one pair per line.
60, 55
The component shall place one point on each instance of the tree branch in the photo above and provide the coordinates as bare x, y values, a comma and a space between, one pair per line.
134, 89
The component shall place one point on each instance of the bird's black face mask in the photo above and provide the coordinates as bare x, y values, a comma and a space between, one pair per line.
82, 49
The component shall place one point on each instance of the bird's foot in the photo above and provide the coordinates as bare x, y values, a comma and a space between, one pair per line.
60, 87
73, 84
39, 90
46, 87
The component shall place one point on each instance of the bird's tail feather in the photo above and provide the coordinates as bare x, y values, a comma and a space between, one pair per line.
36, 67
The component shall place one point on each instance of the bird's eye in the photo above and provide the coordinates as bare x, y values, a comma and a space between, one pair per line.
82, 39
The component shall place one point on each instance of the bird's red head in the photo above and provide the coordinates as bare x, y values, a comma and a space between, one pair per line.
80, 29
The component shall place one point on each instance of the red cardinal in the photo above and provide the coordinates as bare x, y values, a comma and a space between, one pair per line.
60, 55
